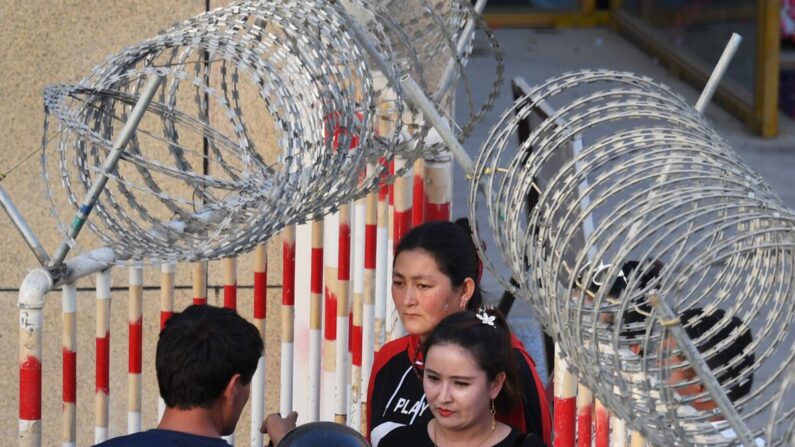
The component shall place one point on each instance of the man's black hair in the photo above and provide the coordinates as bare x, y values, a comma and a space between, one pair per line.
198, 352
697, 323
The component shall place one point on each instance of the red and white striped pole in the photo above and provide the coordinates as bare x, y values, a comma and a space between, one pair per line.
315, 316
564, 402
230, 282
391, 311
619, 432
438, 189
31, 302
602, 424
368, 291
288, 319
69, 356
418, 193
584, 418
359, 230
260, 320
402, 202
342, 361
230, 302
168, 273
382, 268
135, 348
200, 283
329, 349
102, 393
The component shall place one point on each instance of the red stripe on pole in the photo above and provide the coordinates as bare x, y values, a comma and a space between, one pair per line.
260, 295
30, 389
344, 262
390, 187
69, 376
316, 283
418, 197
136, 346
383, 189
200, 301
370, 240
331, 316
565, 409
230, 296
602, 427
164, 316
584, 426
437, 211
103, 363
288, 274
356, 345
402, 225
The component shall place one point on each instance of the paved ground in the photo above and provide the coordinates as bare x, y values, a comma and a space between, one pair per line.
537, 54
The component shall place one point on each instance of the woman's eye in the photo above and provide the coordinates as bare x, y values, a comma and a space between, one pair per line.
461, 384
423, 286
432, 378
397, 283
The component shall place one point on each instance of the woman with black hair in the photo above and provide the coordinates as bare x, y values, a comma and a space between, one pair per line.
469, 375
436, 273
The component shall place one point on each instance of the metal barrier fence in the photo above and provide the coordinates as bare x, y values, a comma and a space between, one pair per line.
346, 264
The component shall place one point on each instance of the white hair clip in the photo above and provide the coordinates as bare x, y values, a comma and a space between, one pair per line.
485, 318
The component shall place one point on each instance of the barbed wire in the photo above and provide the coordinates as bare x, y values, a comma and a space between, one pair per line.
228, 73
625, 194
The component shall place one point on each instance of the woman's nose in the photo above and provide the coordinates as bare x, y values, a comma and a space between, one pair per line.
410, 296
444, 393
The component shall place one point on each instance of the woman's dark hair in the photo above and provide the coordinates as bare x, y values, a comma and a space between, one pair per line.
489, 345
450, 244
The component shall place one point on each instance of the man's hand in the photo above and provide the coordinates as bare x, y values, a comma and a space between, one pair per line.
275, 426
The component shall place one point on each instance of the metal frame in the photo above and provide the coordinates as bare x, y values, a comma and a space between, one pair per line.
758, 108
584, 15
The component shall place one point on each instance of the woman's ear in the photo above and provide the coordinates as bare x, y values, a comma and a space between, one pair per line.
496, 385
467, 290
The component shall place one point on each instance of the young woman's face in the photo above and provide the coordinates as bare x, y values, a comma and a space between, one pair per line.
423, 295
458, 391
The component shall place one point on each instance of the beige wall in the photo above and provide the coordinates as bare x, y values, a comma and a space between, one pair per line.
46, 42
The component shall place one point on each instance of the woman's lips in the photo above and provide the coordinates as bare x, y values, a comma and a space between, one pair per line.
444, 412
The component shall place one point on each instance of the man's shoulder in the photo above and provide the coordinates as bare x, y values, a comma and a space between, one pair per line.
163, 438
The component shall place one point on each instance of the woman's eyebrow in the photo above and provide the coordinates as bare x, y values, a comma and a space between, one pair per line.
415, 277
429, 370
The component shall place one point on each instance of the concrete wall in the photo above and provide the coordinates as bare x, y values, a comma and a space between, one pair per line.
46, 42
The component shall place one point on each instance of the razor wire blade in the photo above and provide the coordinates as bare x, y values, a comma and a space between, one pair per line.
200, 179
624, 194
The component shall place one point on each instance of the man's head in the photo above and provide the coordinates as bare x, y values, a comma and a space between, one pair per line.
728, 363
206, 353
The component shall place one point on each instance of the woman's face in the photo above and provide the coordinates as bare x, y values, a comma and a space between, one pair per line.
423, 295
458, 390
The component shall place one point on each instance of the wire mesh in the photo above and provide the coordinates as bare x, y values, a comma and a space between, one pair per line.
626, 194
